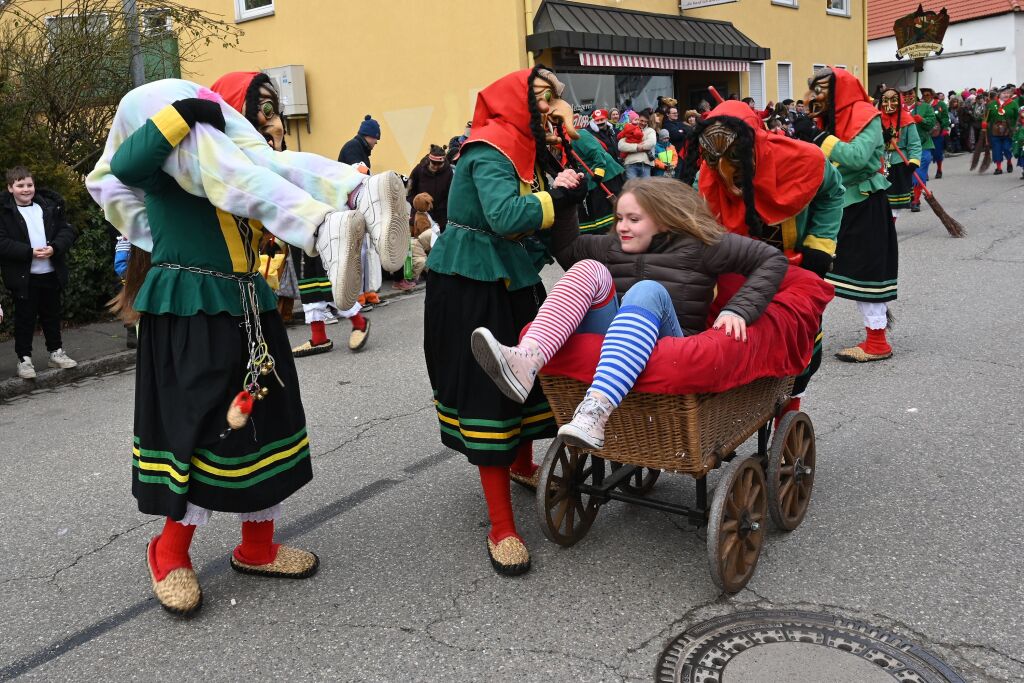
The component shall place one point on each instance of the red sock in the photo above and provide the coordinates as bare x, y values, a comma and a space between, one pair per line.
523, 464
358, 322
792, 406
171, 551
498, 494
319, 331
875, 344
257, 545
999, 165
918, 189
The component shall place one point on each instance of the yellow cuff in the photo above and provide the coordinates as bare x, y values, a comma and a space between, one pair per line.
170, 124
821, 244
599, 172
547, 208
916, 162
827, 146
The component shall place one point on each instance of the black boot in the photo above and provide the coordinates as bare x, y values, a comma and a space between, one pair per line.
1009, 166
938, 174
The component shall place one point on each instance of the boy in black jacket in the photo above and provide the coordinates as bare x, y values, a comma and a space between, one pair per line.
34, 241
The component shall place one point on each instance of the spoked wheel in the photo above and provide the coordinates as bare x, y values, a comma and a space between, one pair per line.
565, 513
640, 482
790, 475
737, 524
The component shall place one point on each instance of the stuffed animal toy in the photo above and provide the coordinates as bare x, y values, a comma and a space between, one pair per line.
421, 203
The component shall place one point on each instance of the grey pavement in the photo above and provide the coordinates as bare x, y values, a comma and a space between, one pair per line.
914, 524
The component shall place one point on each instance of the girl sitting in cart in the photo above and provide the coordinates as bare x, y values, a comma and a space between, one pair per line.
664, 258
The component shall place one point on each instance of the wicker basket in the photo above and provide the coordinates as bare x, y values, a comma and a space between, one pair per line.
688, 433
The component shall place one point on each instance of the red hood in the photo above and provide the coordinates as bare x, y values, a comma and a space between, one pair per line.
787, 175
233, 87
502, 120
854, 107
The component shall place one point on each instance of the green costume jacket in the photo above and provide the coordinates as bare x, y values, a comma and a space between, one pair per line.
188, 231
924, 129
1010, 112
860, 161
603, 164
498, 227
909, 143
942, 115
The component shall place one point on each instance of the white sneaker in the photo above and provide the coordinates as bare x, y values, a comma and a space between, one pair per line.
587, 427
383, 205
25, 368
338, 241
512, 368
59, 359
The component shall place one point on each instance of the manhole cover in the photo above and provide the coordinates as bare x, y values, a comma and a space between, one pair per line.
773, 646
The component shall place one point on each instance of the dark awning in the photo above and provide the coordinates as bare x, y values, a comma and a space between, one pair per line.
562, 24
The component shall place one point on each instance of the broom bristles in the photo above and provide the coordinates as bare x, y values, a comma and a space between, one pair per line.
976, 156
952, 226
986, 160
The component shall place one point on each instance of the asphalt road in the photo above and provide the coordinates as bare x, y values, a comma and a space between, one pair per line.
915, 523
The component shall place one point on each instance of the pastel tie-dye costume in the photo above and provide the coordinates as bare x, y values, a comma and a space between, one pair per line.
289, 192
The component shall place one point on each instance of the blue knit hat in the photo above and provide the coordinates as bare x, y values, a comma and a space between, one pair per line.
369, 127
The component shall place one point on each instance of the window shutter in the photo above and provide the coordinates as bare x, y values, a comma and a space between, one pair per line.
785, 81
757, 84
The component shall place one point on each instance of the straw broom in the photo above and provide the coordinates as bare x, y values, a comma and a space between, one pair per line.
952, 226
982, 146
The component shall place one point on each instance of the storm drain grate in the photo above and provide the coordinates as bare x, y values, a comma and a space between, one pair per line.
789, 645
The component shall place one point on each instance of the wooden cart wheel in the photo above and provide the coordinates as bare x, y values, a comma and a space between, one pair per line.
565, 513
737, 525
790, 475
640, 482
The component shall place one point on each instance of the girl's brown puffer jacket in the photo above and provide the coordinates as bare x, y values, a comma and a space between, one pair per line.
688, 269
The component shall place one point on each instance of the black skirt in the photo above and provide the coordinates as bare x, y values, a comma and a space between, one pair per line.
867, 254
901, 186
189, 369
474, 417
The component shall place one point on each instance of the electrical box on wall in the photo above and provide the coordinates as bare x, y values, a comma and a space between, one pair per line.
290, 81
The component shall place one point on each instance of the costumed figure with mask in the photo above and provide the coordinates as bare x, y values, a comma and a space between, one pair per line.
924, 117
604, 173
505, 218
1000, 121
846, 125
899, 131
772, 188
219, 423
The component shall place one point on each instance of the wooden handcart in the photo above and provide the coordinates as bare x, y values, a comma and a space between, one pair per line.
688, 434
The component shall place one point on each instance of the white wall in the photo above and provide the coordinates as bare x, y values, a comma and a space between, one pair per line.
958, 72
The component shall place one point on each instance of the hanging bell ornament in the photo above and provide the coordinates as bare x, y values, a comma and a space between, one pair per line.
239, 410
263, 393
266, 368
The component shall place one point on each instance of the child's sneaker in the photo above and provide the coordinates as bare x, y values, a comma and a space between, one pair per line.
59, 359
404, 285
587, 427
338, 241
382, 202
25, 368
512, 368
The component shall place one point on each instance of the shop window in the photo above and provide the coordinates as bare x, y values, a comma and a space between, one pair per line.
838, 7
785, 77
757, 84
253, 9
607, 91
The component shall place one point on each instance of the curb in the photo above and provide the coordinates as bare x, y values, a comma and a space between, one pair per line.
48, 379
116, 362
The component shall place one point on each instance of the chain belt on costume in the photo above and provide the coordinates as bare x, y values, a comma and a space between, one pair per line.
261, 362
518, 241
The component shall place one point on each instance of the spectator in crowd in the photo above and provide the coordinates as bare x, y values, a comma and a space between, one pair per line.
604, 132
35, 238
801, 110
703, 109
953, 140
615, 119
639, 157
432, 175
357, 150
665, 156
676, 129
455, 144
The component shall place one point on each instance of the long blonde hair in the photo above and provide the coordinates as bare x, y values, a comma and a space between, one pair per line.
675, 206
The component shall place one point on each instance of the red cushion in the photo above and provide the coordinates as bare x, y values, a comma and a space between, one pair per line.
780, 344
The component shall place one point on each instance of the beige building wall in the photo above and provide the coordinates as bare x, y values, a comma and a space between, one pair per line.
415, 65
802, 36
